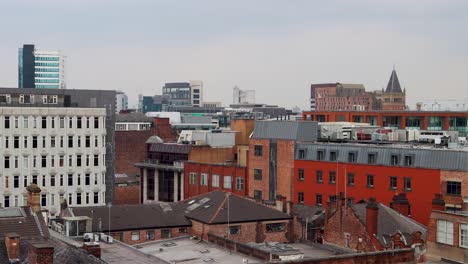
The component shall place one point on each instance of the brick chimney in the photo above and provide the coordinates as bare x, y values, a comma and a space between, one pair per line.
93, 248
34, 197
372, 212
401, 204
12, 244
40, 253
438, 202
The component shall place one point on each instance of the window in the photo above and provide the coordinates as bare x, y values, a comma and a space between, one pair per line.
7, 122
193, 178
258, 150
78, 160
150, 235
26, 99
275, 227
300, 197
258, 174
6, 201
78, 198
96, 122
394, 160
70, 179
393, 182
25, 142
5, 98
227, 182
454, 188
319, 176
87, 179
7, 142
370, 181
96, 160
88, 142
25, 181
371, 158
135, 236
34, 142
25, 122
204, 179
320, 154
215, 180
183, 230
445, 232
70, 122
43, 161
6, 162
301, 174
16, 142
239, 183
463, 235
332, 177
52, 180
61, 141
333, 155
43, 200
52, 142
49, 99
70, 198
257, 195
44, 122
352, 156
318, 199
350, 179
234, 230
332, 198
78, 122
70, 141
16, 182
62, 122
52, 123
166, 233
409, 160
302, 154
34, 179
96, 198
407, 183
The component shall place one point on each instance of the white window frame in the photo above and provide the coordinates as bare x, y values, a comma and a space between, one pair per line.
193, 178
215, 180
463, 236
240, 181
204, 179
444, 232
227, 182
135, 235
7, 98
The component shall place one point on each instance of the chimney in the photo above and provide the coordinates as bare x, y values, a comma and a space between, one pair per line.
34, 197
93, 248
372, 212
401, 204
438, 202
281, 203
40, 253
12, 243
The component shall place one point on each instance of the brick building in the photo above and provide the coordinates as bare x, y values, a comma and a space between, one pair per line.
371, 226
420, 120
323, 170
271, 157
393, 98
218, 213
340, 96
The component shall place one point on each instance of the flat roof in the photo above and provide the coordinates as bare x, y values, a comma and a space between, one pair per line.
189, 251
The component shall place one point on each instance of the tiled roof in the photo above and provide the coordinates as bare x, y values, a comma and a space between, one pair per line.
22, 221
138, 216
212, 208
390, 222
286, 130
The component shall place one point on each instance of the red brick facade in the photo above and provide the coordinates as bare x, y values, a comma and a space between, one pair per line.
238, 174
424, 183
127, 194
285, 168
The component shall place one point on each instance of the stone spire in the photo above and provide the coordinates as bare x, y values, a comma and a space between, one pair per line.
393, 85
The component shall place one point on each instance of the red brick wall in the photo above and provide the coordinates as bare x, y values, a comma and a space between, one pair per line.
207, 154
130, 148
247, 234
400, 256
345, 221
127, 194
285, 169
191, 190
424, 183
256, 162
456, 176
127, 235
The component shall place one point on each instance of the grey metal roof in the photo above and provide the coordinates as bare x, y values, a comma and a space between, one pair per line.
133, 117
170, 148
428, 158
287, 130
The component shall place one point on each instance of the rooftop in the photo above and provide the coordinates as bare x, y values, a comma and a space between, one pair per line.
286, 130
133, 118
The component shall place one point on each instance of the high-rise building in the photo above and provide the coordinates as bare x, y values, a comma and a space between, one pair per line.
243, 96
61, 140
184, 93
121, 101
40, 69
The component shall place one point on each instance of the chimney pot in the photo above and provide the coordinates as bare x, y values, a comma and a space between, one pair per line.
438, 202
401, 204
34, 196
93, 248
12, 243
40, 253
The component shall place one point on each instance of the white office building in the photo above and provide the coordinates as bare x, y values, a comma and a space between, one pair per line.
61, 149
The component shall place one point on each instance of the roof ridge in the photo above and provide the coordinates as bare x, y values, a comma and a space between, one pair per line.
218, 209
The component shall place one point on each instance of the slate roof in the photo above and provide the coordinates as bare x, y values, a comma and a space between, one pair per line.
309, 213
133, 118
390, 222
31, 228
28, 224
211, 208
286, 130
170, 148
393, 85
134, 217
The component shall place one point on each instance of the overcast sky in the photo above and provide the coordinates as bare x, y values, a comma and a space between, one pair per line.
277, 48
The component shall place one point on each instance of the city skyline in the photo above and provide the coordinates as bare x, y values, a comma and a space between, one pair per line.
265, 46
